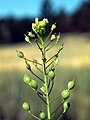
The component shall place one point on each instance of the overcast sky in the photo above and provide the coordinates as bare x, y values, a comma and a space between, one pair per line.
31, 8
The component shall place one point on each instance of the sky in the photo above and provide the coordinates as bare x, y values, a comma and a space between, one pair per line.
32, 8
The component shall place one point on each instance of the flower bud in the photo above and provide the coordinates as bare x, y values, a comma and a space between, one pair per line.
33, 26
26, 79
71, 85
46, 20
65, 94
33, 84
27, 39
42, 115
58, 38
36, 21
53, 27
66, 105
43, 89
42, 23
53, 37
31, 35
20, 54
26, 106
51, 74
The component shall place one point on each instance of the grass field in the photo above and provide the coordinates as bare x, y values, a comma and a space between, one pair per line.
74, 61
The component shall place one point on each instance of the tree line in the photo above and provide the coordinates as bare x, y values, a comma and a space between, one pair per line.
12, 30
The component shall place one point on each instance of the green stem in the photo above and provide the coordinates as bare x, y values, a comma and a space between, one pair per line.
45, 80
50, 48
41, 98
60, 116
55, 99
36, 76
48, 36
51, 88
48, 44
49, 64
32, 61
50, 58
34, 116
39, 69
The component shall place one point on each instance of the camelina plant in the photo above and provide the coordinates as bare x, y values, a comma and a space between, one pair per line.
46, 68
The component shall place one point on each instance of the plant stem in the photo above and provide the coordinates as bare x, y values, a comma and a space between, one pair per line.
32, 61
45, 80
34, 116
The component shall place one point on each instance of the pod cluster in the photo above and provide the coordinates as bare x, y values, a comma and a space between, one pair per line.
66, 94
31, 82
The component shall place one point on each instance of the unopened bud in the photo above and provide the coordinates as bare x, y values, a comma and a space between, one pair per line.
53, 37
53, 27
31, 35
27, 39
36, 21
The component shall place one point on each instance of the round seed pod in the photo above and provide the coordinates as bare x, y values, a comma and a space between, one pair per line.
42, 115
66, 105
34, 84
51, 74
71, 84
26, 106
65, 94
26, 79
20, 54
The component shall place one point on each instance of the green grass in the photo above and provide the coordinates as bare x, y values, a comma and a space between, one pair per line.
74, 61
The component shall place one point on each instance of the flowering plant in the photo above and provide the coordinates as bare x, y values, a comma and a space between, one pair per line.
46, 68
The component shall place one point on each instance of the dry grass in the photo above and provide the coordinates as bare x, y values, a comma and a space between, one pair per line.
76, 53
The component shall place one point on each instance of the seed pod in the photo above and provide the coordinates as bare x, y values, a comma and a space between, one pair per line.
26, 79
71, 85
26, 106
42, 115
33, 84
51, 74
20, 54
65, 94
66, 106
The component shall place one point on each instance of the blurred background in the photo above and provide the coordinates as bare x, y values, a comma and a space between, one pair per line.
73, 22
